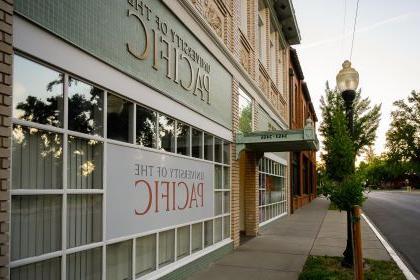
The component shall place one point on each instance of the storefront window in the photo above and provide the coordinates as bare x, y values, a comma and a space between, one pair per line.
58, 174
166, 134
208, 146
85, 265
272, 185
183, 241
86, 107
84, 163
197, 237
36, 225
183, 139
119, 261
37, 159
197, 143
49, 269
166, 247
37, 93
84, 219
245, 112
145, 127
120, 119
145, 254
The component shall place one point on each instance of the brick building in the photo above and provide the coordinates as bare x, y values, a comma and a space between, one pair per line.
139, 139
303, 180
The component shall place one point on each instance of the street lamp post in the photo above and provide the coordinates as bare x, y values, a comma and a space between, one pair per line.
347, 82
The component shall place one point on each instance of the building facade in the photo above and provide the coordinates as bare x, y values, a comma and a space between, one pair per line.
303, 174
119, 127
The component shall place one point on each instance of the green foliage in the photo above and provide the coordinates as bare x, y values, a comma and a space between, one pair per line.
338, 181
339, 149
323, 268
365, 121
346, 193
245, 119
403, 137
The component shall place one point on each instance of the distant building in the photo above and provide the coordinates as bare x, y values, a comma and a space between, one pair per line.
303, 179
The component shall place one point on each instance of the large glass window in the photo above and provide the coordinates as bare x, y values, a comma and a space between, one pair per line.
37, 159
36, 225
57, 186
119, 261
84, 163
166, 134
272, 189
245, 112
183, 139
120, 119
86, 107
197, 143
37, 92
145, 127
145, 254
85, 265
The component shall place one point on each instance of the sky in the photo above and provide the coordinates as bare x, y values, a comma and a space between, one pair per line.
386, 50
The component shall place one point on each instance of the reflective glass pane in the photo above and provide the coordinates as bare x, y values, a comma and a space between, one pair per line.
36, 225
145, 127
197, 143
85, 265
226, 227
197, 237
84, 163
218, 149
245, 112
37, 159
183, 241
218, 234
119, 261
226, 153
145, 254
218, 183
166, 247
84, 219
166, 134
44, 270
183, 139
37, 92
120, 119
208, 233
218, 197
226, 177
86, 107
208, 146
226, 202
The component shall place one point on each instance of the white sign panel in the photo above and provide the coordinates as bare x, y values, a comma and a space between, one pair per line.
150, 190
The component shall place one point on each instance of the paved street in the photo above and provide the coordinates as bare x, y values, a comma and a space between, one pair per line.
397, 216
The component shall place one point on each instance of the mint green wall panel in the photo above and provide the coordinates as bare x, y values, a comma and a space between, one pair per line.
176, 63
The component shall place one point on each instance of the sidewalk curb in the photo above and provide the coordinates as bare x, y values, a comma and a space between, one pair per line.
407, 273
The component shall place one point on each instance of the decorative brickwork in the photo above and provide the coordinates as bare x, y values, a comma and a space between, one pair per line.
235, 227
6, 56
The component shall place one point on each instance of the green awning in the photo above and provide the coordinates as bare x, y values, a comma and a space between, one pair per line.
278, 141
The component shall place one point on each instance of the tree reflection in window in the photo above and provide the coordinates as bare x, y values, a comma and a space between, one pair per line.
183, 139
85, 108
245, 113
145, 127
166, 134
119, 122
37, 93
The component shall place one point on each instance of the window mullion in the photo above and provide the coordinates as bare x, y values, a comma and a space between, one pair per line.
64, 172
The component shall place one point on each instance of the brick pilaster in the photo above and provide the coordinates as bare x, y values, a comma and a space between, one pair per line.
249, 176
235, 199
6, 56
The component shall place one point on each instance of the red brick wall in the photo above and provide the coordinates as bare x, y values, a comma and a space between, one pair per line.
6, 56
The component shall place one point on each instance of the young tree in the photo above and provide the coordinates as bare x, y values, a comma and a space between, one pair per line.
341, 146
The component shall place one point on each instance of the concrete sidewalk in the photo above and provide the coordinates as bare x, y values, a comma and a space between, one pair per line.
331, 240
278, 252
